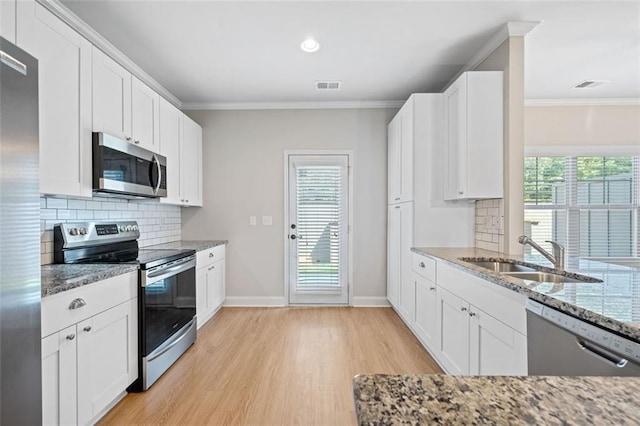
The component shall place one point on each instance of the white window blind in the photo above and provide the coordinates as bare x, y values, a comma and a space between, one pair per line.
320, 213
589, 204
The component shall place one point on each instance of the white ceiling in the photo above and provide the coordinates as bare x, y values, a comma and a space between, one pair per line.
233, 52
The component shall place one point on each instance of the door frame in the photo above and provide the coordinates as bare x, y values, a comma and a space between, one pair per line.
349, 154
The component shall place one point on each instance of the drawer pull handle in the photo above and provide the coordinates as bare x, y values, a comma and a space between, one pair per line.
77, 303
432, 288
463, 309
71, 336
421, 264
211, 254
87, 328
472, 314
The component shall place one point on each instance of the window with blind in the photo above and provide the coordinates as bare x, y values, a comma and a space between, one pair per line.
589, 204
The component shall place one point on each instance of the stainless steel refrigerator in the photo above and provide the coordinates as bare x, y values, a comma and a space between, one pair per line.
20, 352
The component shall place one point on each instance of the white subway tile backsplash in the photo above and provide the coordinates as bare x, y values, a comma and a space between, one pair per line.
158, 223
489, 224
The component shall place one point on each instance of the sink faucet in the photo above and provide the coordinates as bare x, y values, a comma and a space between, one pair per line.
558, 251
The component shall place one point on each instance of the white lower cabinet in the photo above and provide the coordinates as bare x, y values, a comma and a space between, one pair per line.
470, 326
87, 366
210, 283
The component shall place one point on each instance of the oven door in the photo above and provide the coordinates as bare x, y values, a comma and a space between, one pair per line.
168, 302
120, 167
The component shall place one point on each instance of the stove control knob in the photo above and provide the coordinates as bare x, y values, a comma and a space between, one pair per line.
73, 231
122, 228
135, 227
129, 228
83, 231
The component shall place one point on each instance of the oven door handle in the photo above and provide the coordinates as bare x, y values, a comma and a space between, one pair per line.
165, 273
172, 344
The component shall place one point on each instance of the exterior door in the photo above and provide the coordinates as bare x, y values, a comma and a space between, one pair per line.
317, 232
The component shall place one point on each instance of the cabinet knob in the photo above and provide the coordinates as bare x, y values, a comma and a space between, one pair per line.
210, 254
432, 288
472, 314
71, 336
397, 199
421, 264
460, 192
136, 142
87, 328
463, 309
77, 303
128, 138
186, 201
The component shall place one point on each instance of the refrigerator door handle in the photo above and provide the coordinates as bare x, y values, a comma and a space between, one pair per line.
12, 62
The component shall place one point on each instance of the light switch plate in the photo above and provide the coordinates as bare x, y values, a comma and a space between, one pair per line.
253, 220
267, 220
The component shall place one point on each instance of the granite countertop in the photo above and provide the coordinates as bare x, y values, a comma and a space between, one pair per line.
612, 304
437, 399
196, 245
58, 278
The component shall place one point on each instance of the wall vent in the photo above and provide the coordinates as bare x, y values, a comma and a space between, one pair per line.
589, 84
328, 85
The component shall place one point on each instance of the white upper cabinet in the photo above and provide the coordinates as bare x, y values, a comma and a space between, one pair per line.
111, 96
145, 112
8, 20
473, 107
64, 76
191, 163
171, 120
400, 156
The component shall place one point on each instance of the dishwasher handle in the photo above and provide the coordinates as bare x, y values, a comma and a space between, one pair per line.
618, 362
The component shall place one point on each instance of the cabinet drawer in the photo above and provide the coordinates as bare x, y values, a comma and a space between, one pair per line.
208, 256
424, 266
98, 297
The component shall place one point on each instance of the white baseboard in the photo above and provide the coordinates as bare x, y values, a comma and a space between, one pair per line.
254, 301
370, 301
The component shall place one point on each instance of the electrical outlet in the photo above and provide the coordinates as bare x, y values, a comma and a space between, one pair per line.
267, 220
253, 220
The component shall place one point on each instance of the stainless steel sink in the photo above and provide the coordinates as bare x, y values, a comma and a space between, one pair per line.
528, 271
548, 277
504, 267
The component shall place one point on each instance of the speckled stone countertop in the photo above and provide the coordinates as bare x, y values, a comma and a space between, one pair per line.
437, 399
612, 304
58, 278
191, 245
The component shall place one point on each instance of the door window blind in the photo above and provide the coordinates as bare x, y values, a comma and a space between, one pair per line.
589, 204
319, 191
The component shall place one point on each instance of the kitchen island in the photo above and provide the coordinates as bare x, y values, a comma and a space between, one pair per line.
439, 399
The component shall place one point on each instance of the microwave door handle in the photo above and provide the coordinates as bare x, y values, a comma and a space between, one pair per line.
157, 163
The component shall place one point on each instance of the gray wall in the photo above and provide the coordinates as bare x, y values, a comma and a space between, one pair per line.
243, 173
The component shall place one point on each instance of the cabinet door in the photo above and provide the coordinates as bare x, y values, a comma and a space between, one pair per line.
407, 292
59, 397
406, 153
170, 139
191, 163
64, 77
107, 358
456, 139
215, 281
8, 20
145, 112
111, 96
453, 345
394, 141
202, 296
495, 348
426, 308
394, 250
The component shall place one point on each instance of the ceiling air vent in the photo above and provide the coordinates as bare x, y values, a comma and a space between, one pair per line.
589, 84
328, 85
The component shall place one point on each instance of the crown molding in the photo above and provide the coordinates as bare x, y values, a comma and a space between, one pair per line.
510, 29
71, 19
291, 105
582, 102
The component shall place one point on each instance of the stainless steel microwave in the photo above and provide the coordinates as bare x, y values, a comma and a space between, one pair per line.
123, 169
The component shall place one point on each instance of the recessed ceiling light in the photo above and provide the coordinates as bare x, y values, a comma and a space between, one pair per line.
310, 45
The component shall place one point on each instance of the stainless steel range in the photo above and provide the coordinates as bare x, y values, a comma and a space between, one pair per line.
167, 292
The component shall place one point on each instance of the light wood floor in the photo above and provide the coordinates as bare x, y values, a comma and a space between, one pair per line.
277, 366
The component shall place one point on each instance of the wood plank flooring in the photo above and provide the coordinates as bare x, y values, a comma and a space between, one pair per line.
277, 366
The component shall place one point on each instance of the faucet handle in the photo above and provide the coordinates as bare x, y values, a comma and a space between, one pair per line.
558, 253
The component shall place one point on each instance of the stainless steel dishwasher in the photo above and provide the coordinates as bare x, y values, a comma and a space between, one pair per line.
562, 345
